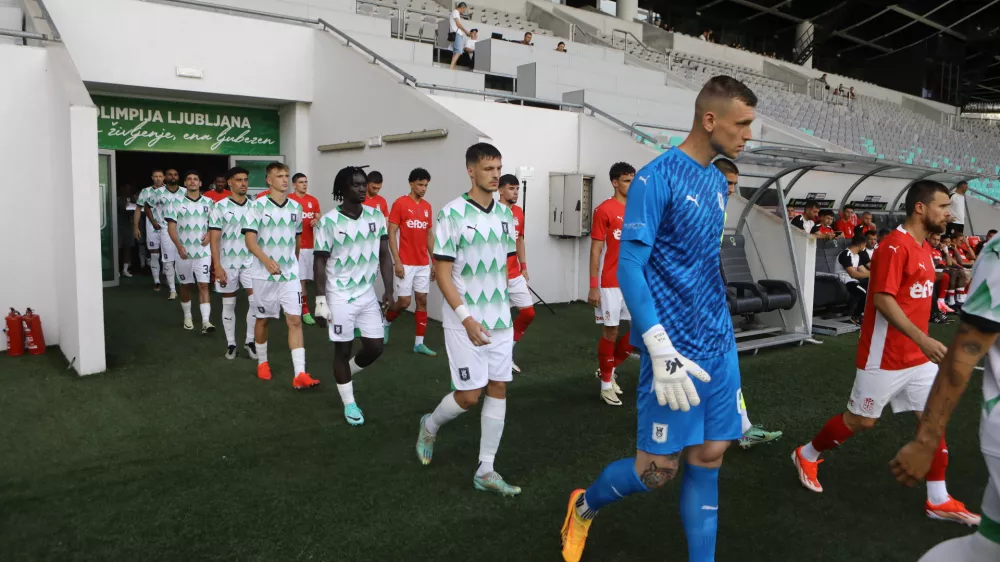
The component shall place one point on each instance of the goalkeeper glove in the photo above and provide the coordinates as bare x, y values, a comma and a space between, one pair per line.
323, 314
672, 372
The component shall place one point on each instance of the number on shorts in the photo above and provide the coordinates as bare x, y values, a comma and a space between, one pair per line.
300, 297
206, 269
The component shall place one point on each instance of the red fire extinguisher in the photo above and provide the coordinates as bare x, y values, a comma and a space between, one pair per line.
15, 333
33, 336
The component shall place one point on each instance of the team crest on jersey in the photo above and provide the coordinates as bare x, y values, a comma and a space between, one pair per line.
294, 217
463, 373
371, 227
426, 214
659, 433
337, 329
504, 223
204, 209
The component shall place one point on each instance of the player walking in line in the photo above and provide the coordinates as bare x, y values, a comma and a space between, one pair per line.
605, 295
272, 227
142, 203
157, 204
411, 218
976, 336
310, 216
896, 359
352, 245
372, 198
473, 238
670, 278
752, 434
187, 226
231, 259
517, 265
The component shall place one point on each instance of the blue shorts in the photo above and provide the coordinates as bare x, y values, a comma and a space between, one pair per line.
663, 431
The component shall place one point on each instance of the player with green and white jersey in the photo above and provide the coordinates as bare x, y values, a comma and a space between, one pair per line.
152, 232
158, 203
351, 247
230, 258
272, 228
976, 338
187, 226
473, 237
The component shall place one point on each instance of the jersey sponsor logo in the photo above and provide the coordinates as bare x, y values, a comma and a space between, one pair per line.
922, 290
463, 373
634, 225
659, 432
693, 199
414, 223
617, 234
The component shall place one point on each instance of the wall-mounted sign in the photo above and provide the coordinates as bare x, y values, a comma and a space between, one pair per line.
815, 195
823, 203
867, 205
163, 126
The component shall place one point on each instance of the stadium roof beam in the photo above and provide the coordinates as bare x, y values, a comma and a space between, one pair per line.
931, 23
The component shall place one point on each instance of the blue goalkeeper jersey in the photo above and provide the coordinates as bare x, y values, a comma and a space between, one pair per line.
677, 207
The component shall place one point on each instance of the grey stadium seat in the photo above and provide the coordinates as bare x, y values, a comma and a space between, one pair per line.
773, 294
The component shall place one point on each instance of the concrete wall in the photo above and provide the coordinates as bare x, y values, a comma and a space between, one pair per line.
10, 18
936, 112
785, 74
599, 20
503, 57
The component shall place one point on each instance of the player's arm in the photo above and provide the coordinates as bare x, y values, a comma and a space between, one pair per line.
140, 204
149, 217
215, 244
172, 231
393, 229
598, 233
444, 262
887, 305
521, 259
322, 246
385, 268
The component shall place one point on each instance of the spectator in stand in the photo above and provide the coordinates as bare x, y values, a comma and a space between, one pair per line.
867, 223
882, 233
457, 33
807, 220
470, 49
989, 236
871, 242
845, 224
957, 223
850, 94
703, 36
840, 90
825, 227
823, 80
561, 47
855, 276
527, 39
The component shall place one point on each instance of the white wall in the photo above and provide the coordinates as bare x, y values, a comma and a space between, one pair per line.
601, 21
695, 46
10, 18
296, 141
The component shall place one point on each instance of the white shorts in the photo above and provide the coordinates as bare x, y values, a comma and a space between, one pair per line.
271, 297
168, 252
364, 314
991, 498
517, 288
471, 366
235, 278
152, 237
613, 309
416, 279
196, 270
306, 264
905, 390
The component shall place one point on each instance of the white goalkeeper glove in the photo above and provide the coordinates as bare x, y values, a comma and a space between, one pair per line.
672, 372
323, 314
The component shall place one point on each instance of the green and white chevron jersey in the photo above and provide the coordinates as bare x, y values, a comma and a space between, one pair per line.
353, 246
191, 217
147, 196
277, 227
982, 309
228, 217
160, 200
478, 241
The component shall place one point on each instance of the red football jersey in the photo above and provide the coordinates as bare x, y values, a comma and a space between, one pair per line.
608, 228
414, 220
867, 229
514, 266
938, 258
824, 230
901, 268
378, 202
310, 211
216, 196
844, 226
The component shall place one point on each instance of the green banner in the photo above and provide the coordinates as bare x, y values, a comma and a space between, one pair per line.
163, 126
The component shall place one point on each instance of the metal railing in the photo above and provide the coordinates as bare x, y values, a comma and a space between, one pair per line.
25, 35
351, 42
625, 42
674, 58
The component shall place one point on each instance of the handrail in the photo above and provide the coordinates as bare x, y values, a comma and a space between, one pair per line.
48, 19
619, 122
501, 95
406, 75
25, 35
627, 34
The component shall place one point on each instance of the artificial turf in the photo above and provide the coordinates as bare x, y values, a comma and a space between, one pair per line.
177, 454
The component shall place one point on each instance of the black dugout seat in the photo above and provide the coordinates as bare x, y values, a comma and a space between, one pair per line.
829, 290
773, 294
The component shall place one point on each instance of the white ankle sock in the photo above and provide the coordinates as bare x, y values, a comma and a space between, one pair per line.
206, 311
491, 427
186, 307
745, 419
154, 267
446, 411
606, 385
168, 272
346, 393
251, 319
299, 360
937, 492
261, 352
810, 453
355, 369
418, 340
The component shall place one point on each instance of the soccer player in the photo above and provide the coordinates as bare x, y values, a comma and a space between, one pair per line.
976, 338
220, 189
669, 271
896, 358
517, 266
158, 202
142, 204
941, 260
352, 245
187, 226
310, 216
231, 259
272, 227
605, 295
472, 236
372, 198
752, 434
411, 218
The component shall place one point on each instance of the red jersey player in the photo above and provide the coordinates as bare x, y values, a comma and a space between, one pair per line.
411, 217
517, 267
942, 277
310, 216
896, 359
847, 221
372, 198
605, 295
219, 191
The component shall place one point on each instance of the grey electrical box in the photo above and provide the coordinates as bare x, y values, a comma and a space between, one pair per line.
570, 204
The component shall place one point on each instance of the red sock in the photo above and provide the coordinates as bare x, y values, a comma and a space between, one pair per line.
963, 290
606, 358
622, 349
940, 463
421, 317
391, 315
833, 434
305, 304
943, 285
523, 320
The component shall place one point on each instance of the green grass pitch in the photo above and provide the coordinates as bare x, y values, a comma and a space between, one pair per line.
177, 454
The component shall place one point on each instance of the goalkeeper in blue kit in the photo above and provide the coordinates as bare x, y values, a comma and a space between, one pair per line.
689, 384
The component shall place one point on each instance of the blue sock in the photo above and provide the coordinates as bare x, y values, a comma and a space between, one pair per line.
700, 511
617, 481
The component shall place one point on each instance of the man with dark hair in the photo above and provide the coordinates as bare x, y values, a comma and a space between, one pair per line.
517, 265
310, 216
824, 229
352, 246
156, 205
457, 35
845, 224
854, 275
732, 173
942, 261
411, 218
989, 236
527, 39
218, 191
472, 232
372, 198
187, 226
277, 221
957, 223
867, 223
143, 206
605, 294
882, 233
669, 273
231, 259
808, 219
896, 359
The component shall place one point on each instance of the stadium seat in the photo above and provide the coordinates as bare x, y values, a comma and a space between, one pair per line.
773, 294
829, 291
